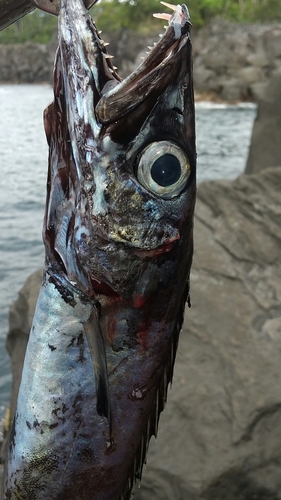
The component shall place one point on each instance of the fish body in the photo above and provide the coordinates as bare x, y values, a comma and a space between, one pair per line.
118, 238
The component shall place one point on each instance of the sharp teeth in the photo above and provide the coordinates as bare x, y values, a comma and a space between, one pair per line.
108, 56
169, 5
166, 17
105, 44
149, 47
115, 68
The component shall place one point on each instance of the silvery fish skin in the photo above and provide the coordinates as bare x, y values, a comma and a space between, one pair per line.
118, 236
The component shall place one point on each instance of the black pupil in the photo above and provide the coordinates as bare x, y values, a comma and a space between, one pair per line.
166, 170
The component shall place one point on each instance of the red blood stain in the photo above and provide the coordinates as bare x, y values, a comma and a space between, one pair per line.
111, 328
143, 332
166, 247
138, 300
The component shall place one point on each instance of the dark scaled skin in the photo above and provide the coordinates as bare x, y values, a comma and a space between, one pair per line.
118, 257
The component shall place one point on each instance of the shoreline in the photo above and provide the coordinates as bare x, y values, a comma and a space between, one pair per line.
199, 97
233, 63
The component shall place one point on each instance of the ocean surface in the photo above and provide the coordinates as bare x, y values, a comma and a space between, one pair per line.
223, 136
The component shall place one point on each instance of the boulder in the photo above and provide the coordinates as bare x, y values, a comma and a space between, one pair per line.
26, 63
220, 435
265, 148
159, 484
231, 59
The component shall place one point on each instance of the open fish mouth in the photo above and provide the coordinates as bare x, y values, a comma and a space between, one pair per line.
151, 75
117, 98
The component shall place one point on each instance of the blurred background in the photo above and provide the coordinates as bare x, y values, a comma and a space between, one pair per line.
231, 389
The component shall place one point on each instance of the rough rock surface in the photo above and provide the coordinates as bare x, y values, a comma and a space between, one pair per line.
236, 61
232, 62
265, 149
220, 434
222, 423
27, 63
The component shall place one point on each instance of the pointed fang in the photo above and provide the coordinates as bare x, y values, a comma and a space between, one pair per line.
169, 5
165, 17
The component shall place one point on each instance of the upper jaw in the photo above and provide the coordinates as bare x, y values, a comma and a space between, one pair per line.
152, 74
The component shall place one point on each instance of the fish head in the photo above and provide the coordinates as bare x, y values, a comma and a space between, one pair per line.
122, 187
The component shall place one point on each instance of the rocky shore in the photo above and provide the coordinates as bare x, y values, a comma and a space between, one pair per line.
236, 62
231, 62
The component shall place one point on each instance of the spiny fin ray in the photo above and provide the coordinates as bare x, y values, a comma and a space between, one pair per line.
151, 427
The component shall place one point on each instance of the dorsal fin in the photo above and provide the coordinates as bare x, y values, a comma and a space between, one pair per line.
151, 428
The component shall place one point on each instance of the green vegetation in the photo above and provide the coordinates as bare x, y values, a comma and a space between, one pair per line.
136, 15
35, 27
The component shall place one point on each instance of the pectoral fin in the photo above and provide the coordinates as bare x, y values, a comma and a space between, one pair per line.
95, 340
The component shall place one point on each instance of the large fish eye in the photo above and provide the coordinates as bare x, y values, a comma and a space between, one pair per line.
163, 169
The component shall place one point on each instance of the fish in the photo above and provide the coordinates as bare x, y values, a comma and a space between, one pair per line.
118, 235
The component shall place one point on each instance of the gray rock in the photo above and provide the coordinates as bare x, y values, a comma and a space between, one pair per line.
258, 59
236, 485
265, 148
220, 434
232, 89
251, 74
240, 56
26, 63
159, 484
272, 42
205, 80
